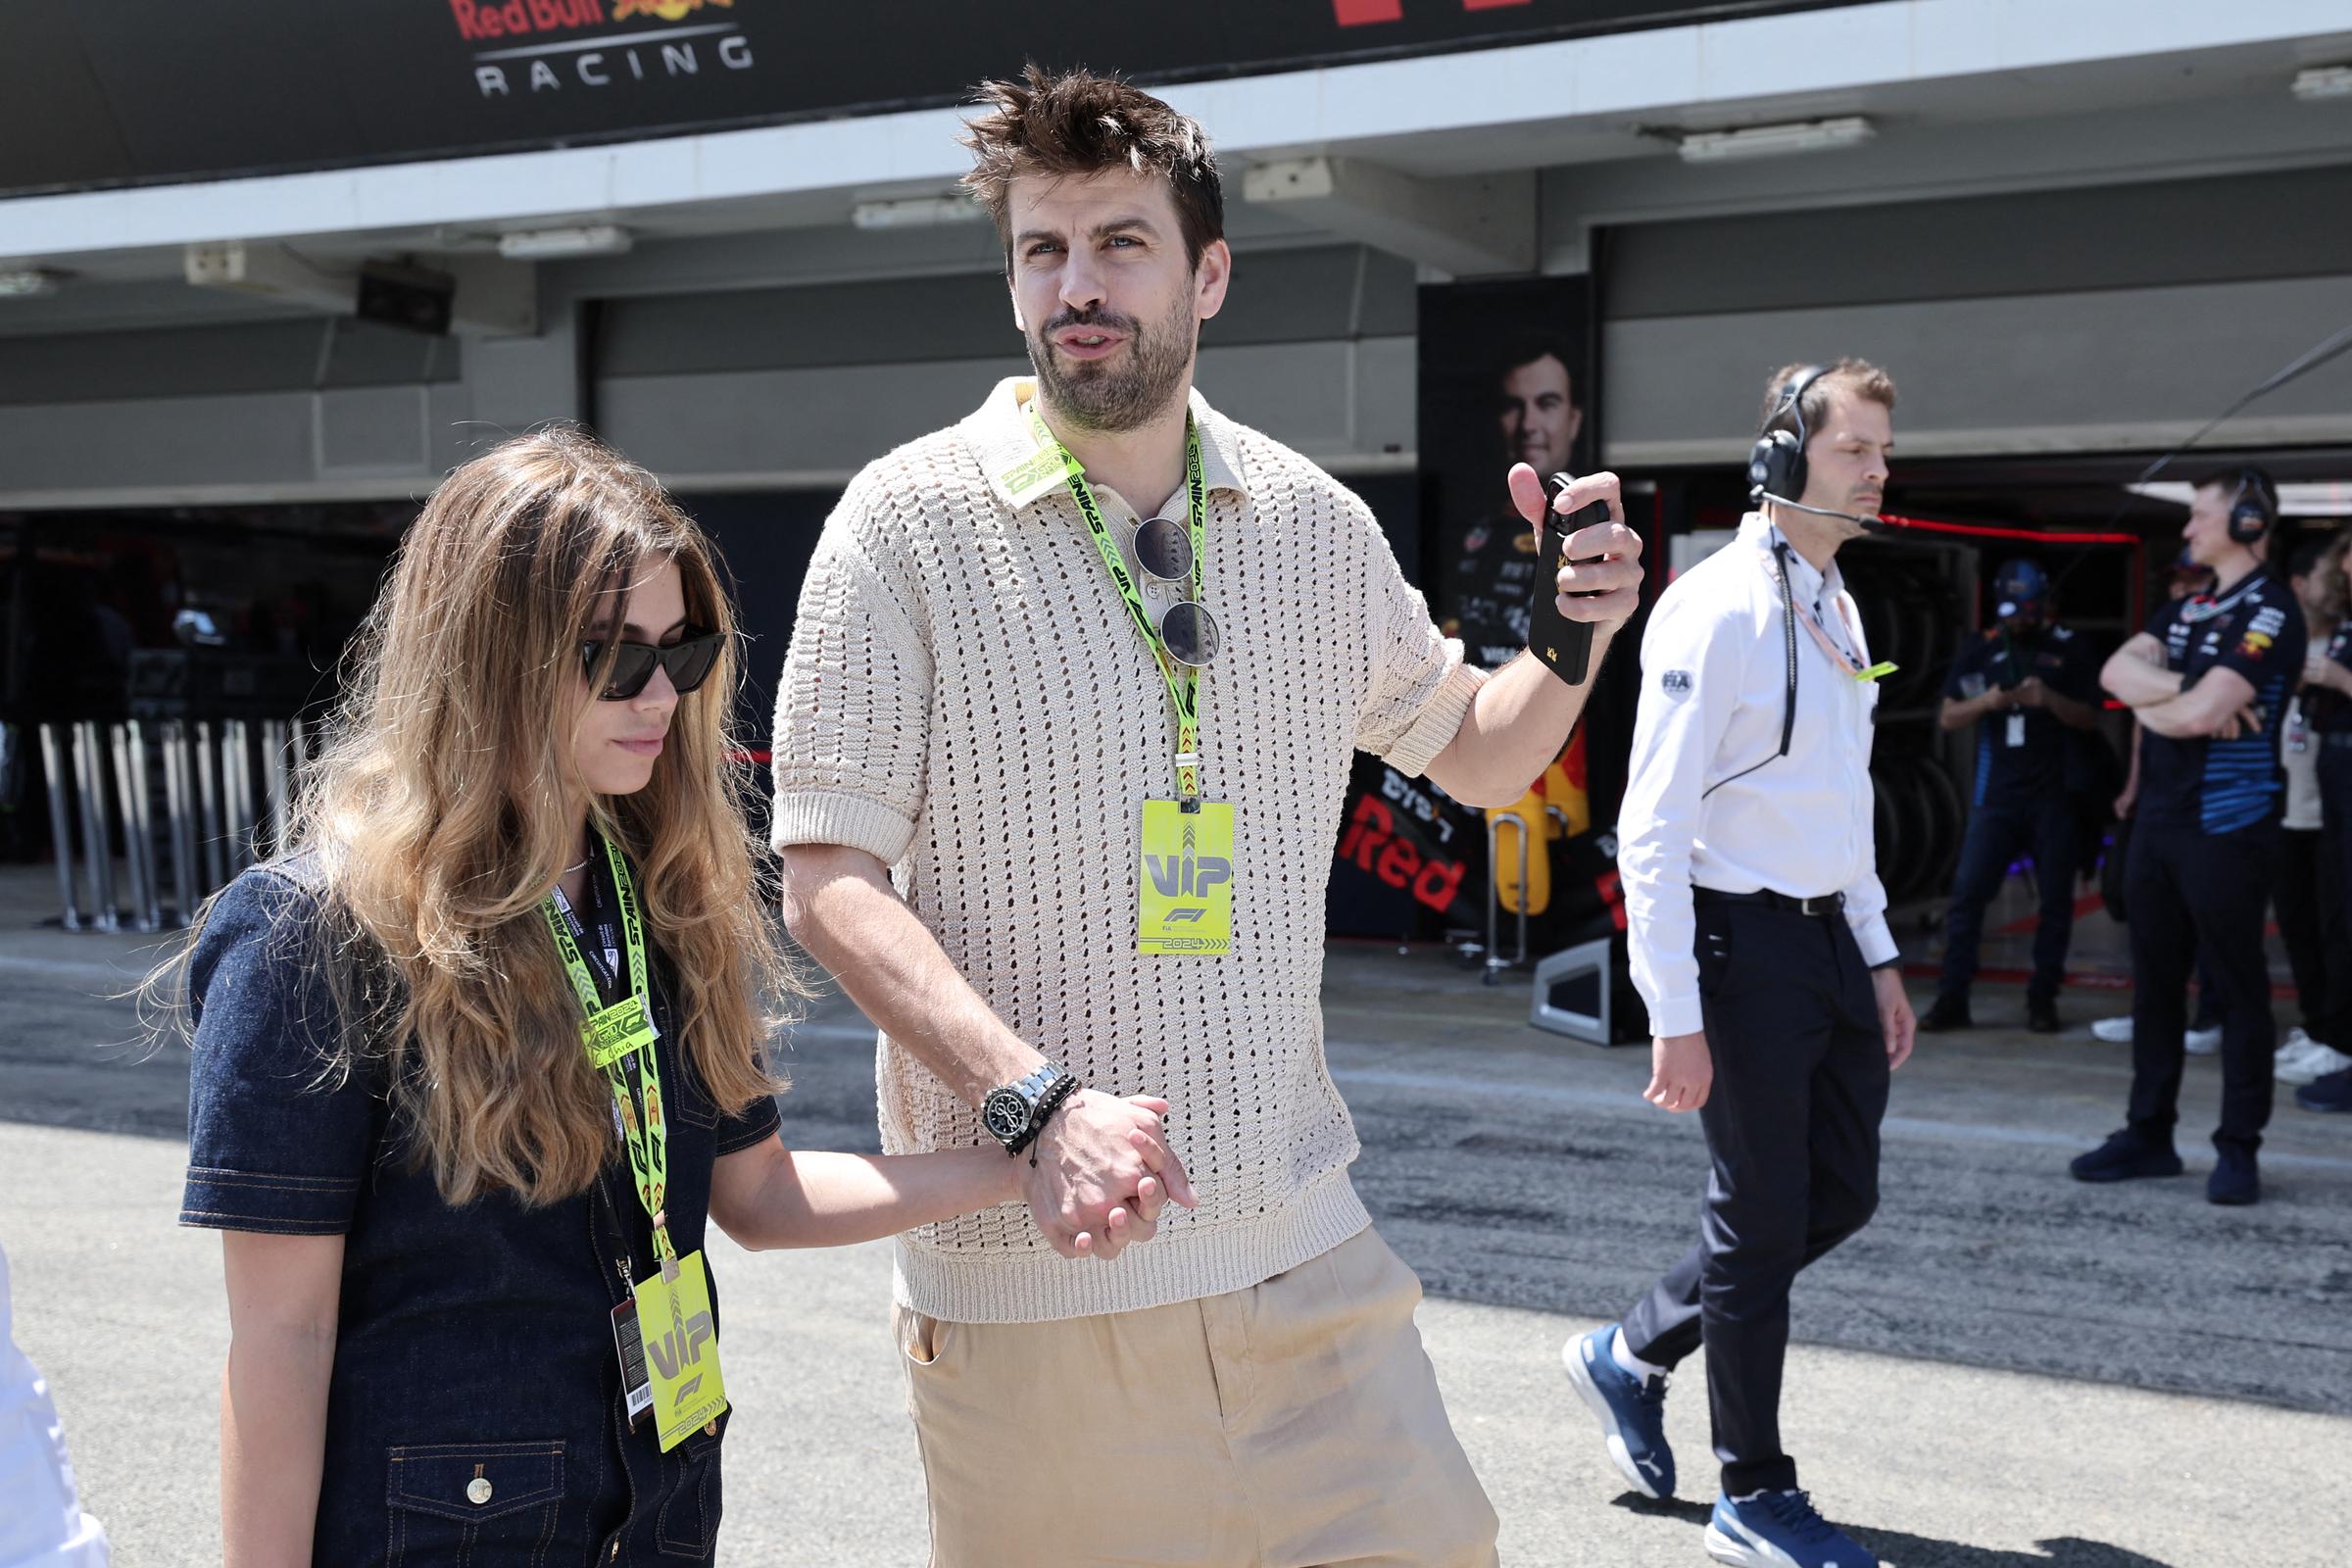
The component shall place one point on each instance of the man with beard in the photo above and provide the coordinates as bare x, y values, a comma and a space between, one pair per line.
1086, 674
2028, 685
1485, 600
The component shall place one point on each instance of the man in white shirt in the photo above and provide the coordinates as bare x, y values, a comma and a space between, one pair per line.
1758, 939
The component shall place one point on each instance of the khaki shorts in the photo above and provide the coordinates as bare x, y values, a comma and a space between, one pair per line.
1295, 1424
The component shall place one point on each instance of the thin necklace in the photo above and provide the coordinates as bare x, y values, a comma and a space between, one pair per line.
582, 866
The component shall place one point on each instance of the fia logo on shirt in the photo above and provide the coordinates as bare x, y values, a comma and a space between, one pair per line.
1675, 683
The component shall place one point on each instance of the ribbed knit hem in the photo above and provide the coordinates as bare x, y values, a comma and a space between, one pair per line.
1441, 719
1044, 1287
821, 816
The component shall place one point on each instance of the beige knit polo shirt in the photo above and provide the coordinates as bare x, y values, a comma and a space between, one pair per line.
966, 700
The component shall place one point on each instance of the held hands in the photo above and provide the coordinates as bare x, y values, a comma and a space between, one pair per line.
2029, 693
1681, 1072
1895, 1015
1603, 583
1104, 1173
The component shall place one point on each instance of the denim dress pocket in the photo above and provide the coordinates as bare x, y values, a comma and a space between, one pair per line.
485, 1504
688, 1526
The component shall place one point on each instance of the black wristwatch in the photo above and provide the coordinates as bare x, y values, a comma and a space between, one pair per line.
1016, 1113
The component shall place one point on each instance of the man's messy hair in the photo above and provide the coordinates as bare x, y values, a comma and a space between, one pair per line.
1075, 123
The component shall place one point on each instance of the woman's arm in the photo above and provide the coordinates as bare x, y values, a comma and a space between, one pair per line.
770, 1195
283, 1292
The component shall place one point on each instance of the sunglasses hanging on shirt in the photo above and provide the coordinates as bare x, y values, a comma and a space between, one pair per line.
689, 664
1190, 632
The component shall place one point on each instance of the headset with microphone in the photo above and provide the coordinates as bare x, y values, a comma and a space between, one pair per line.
1776, 464
2251, 512
1776, 471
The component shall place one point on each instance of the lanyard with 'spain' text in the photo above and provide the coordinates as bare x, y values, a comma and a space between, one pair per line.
1183, 681
615, 1036
1184, 870
667, 1335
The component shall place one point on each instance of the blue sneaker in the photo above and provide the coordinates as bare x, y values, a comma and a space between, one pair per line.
1631, 1411
1780, 1530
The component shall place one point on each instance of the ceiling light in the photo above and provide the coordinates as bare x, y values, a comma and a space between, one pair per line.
915, 212
1769, 141
2323, 81
561, 244
26, 282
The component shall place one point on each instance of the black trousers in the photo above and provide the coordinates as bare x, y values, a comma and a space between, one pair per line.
2310, 904
1792, 1140
1999, 831
2193, 893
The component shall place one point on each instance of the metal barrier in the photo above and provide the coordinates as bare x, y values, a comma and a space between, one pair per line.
104, 778
61, 820
1497, 960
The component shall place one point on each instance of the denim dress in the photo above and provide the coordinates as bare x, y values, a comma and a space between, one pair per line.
475, 1342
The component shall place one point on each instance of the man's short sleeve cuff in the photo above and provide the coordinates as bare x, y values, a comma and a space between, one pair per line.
1876, 941
1676, 1015
853, 821
1439, 720
267, 1201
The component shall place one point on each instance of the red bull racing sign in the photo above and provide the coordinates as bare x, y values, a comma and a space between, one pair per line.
533, 47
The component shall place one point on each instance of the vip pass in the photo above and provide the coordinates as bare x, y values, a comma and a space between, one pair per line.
677, 1374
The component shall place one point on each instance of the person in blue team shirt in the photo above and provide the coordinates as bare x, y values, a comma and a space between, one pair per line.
2026, 682
2209, 681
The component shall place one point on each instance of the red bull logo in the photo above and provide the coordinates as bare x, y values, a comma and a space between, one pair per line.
524, 62
481, 20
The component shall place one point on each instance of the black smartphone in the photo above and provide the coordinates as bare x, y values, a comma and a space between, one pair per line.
1563, 644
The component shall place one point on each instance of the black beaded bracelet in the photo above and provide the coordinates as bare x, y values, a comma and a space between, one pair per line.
1046, 1107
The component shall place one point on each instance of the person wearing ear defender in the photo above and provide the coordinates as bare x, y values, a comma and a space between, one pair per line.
1758, 939
2209, 681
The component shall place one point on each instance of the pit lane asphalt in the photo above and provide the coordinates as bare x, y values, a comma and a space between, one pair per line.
2006, 1368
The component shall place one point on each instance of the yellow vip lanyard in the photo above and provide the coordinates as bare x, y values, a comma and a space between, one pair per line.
614, 1035
1184, 690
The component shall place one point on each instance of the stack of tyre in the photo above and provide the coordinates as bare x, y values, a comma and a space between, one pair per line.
1912, 617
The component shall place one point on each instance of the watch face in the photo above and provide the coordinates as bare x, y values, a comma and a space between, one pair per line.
1005, 1114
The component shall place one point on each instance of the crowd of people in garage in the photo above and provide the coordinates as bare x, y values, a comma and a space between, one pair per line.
2242, 824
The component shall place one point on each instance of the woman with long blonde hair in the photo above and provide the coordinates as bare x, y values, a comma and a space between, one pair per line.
477, 1057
